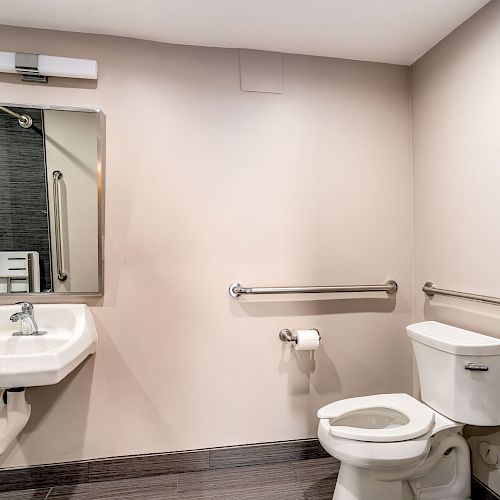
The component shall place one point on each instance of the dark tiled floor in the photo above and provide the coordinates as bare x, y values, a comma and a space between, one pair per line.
312, 479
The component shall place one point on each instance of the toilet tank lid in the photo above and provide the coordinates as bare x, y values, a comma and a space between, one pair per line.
453, 340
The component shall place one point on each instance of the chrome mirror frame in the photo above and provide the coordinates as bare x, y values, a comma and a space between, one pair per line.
101, 160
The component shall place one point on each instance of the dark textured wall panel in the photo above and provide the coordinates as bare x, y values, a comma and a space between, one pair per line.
24, 221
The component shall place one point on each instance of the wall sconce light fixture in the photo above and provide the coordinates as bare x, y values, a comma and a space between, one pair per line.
36, 68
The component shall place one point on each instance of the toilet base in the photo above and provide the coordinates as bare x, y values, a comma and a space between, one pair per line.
443, 475
355, 483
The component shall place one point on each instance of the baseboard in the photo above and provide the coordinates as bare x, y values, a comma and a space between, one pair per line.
132, 466
481, 492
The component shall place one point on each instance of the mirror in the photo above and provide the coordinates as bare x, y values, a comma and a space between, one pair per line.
51, 200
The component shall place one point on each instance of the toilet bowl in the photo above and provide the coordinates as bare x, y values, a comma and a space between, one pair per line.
394, 447
384, 444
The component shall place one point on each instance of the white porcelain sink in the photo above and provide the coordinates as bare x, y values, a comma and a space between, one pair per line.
32, 360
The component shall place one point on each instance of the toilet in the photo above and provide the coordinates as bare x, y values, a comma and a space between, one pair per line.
394, 447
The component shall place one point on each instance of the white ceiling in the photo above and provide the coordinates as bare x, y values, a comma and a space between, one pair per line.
393, 31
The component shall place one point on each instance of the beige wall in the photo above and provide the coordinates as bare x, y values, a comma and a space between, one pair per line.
456, 148
71, 147
207, 184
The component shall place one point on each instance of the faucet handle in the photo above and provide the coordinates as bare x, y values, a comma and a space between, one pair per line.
15, 317
26, 307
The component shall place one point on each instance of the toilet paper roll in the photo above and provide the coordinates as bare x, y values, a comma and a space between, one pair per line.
307, 340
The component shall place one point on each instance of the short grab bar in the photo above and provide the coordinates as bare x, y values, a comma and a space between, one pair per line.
235, 289
430, 290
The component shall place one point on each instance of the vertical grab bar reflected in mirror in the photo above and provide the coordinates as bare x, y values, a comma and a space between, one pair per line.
56, 177
31, 282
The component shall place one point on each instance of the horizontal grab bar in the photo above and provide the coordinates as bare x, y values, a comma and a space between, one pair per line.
235, 289
430, 289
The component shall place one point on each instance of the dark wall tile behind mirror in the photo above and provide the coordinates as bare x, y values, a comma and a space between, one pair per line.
24, 219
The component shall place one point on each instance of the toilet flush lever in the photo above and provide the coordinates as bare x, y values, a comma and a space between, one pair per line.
476, 367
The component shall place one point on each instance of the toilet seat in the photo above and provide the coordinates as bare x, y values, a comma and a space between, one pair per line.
376, 456
382, 418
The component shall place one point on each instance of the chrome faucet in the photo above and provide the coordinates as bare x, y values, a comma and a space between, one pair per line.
27, 319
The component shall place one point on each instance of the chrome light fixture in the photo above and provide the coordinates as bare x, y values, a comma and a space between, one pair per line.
36, 68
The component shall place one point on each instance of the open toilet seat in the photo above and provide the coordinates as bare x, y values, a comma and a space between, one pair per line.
372, 455
382, 418
382, 432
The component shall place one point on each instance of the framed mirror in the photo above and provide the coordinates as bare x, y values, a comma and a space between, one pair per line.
51, 200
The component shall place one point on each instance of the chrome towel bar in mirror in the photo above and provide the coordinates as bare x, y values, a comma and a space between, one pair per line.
430, 290
236, 289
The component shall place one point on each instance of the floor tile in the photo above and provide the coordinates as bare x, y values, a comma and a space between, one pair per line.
36, 494
237, 482
312, 479
147, 488
318, 477
41, 476
292, 491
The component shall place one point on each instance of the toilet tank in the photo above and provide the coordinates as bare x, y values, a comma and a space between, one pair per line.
459, 372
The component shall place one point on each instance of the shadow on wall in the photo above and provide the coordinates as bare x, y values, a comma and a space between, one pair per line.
305, 370
43, 398
74, 83
308, 307
481, 318
299, 365
63, 420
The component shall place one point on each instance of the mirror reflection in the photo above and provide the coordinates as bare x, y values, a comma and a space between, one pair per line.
50, 200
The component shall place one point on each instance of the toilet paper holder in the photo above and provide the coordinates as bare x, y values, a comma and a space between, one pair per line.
286, 335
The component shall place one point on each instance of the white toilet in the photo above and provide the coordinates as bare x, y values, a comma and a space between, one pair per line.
393, 447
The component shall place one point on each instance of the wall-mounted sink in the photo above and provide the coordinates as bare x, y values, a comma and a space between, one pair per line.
31, 360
